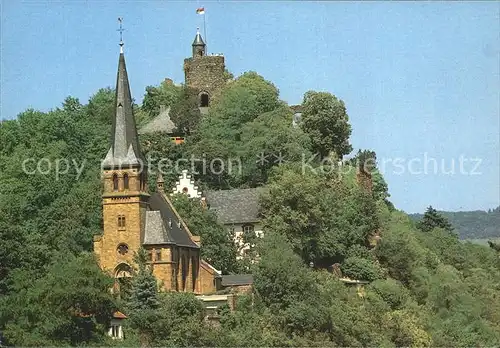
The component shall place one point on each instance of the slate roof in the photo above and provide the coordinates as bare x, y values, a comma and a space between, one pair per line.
124, 148
198, 41
155, 230
237, 279
161, 123
236, 206
163, 225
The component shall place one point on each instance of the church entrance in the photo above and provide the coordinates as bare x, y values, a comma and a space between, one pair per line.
123, 280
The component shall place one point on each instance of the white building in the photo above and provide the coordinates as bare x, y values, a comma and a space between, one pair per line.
237, 209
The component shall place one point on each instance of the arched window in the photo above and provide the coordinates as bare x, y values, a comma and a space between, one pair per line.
125, 181
115, 182
204, 99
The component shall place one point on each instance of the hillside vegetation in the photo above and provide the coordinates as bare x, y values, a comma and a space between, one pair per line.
426, 288
476, 224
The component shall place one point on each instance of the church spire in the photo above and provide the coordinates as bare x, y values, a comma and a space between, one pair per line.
199, 46
124, 150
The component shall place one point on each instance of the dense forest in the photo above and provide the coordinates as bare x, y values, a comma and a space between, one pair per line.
425, 287
476, 224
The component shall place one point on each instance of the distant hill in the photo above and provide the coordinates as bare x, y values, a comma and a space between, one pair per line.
477, 224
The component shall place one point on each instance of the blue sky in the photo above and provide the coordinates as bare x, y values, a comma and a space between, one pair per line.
420, 80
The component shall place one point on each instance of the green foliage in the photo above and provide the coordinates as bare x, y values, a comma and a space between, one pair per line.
70, 304
217, 246
325, 120
360, 269
246, 120
392, 292
472, 224
144, 285
432, 219
321, 228
167, 94
275, 284
185, 112
426, 288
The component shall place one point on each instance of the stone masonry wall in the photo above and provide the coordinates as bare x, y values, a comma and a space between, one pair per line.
204, 73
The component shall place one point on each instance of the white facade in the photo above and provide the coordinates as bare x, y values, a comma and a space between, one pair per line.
238, 231
186, 185
115, 329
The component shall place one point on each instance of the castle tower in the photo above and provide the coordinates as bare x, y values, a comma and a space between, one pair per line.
199, 47
125, 196
204, 74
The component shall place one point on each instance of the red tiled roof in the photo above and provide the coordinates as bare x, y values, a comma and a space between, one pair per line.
119, 315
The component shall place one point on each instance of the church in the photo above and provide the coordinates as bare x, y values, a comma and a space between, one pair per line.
135, 218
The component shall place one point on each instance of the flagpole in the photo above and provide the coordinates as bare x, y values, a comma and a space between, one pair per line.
205, 33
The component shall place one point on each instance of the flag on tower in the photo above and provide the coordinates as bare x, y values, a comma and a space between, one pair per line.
200, 10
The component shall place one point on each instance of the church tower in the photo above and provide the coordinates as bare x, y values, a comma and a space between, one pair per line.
125, 196
204, 74
134, 218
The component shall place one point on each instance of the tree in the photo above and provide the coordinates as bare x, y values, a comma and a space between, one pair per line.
325, 119
70, 304
274, 284
320, 227
143, 303
228, 134
166, 94
185, 112
433, 219
361, 269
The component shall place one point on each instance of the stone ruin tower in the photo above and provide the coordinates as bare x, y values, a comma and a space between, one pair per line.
204, 74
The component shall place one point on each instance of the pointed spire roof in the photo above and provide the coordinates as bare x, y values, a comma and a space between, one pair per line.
124, 150
198, 40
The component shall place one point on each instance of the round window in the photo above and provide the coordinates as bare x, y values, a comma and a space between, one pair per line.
122, 249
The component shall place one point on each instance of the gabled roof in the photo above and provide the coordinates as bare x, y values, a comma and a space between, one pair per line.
124, 148
163, 224
236, 206
161, 123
